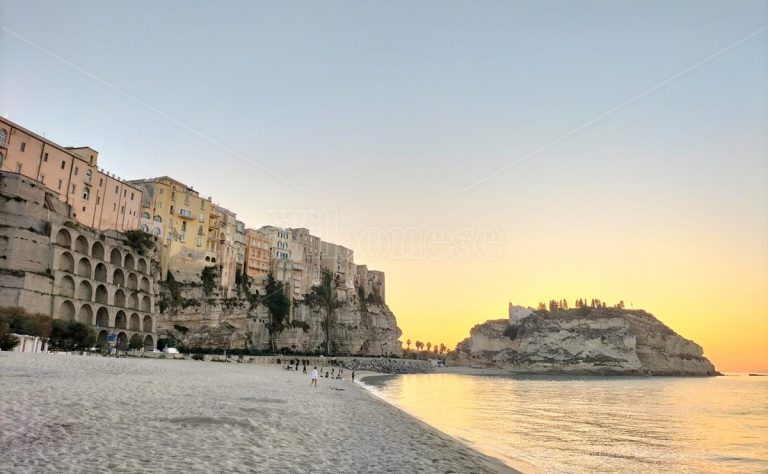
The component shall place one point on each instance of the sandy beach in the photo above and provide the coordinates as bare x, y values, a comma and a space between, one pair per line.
68, 413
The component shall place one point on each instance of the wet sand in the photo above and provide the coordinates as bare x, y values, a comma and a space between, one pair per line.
68, 413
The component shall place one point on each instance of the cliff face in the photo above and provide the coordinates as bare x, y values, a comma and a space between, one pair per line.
232, 323
586, 341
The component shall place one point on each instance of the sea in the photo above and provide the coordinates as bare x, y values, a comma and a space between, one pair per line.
595, 424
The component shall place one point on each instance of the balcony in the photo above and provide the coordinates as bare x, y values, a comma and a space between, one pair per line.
186, 214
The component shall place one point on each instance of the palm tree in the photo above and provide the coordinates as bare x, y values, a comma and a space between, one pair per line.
442, 348
408, 342
429, 346
419, 345
326, 292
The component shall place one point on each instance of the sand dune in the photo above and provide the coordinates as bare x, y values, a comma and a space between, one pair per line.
73, 413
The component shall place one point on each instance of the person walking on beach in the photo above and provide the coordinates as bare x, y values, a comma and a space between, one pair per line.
353, 375
314, 378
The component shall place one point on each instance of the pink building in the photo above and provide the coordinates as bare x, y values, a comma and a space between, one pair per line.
98, 200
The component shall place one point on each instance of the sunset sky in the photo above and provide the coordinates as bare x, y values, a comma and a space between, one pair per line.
477, 152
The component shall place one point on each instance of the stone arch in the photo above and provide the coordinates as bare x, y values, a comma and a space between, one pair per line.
66, 262
149, 343
145, 284
116, 258
146, 325
121, 320
142, 265
130, 263
84, 291
146, 303
84, 267
120, 298
97, 251
118, 278
81, 245
102, 296
67, 311
85, 315
64, 238
102, 318
133, 282
67, 286
101, 339
100, 272
122, 341
135, 323
133, 301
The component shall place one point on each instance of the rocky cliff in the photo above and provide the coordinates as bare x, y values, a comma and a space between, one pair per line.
235, 323
606, 341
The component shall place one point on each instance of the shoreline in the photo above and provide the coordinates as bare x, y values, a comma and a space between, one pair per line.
68, 413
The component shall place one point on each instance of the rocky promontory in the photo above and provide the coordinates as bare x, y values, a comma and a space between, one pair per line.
583, 341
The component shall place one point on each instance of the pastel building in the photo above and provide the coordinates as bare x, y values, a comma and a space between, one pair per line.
96, 198
180, 218
286, 259
340, 261
257, 258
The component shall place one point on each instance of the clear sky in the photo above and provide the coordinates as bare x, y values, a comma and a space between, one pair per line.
478, 152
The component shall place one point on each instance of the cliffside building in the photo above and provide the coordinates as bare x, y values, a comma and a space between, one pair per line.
71, 174
50, 264
176, 214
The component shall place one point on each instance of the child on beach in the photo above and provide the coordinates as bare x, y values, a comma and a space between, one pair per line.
314, 378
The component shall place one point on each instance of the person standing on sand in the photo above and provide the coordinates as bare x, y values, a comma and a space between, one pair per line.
314, 378
353, 375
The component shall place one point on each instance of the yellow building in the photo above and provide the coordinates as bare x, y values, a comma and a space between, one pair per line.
181, 218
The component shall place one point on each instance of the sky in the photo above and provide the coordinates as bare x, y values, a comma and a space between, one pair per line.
477, 152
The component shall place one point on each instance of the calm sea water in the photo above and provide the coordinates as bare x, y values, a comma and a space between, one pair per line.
594, 424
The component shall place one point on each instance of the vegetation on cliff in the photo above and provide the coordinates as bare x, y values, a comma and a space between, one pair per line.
326, 293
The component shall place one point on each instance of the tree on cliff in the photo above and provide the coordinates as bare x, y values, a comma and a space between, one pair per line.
326, 292
277, 305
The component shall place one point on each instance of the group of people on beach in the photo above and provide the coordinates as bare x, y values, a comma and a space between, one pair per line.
293, 364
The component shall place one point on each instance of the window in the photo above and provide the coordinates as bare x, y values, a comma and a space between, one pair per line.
161, 191
131, 196
86, 193
18, 167
114, 207
63, 164
125, 192
42, 178
88, 176
23, 146
3, 136
116, 190
76, 170
173, 196
160, 205
145, 215
171, 209
45, 157
199, 241
185, 212
101, 182
74, 189
59, 187
122, 210
98, 199
157, 219
156, 231
144, 228
183, 226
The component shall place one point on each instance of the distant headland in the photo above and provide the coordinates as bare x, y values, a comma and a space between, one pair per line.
587, 340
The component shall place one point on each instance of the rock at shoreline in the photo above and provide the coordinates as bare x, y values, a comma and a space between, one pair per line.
596, 341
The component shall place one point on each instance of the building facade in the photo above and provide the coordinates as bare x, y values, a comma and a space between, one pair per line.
180, 218
96, 198
53, 266
257, 258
